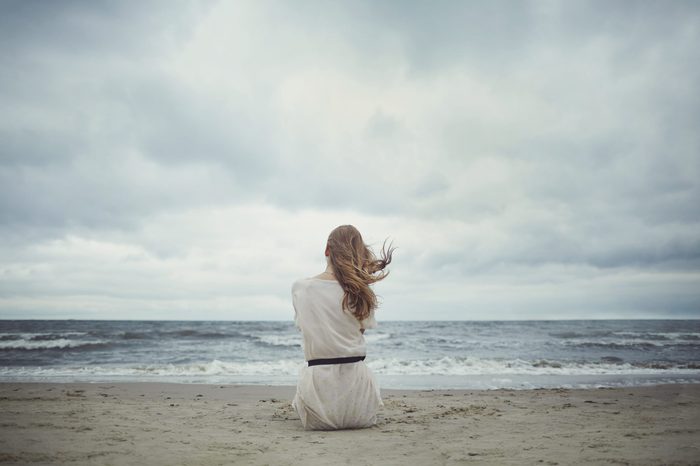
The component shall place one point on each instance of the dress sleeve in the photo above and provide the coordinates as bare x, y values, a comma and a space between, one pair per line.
369, 322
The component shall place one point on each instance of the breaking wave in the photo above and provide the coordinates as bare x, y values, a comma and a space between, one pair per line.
478, 366
389, 366
60, 344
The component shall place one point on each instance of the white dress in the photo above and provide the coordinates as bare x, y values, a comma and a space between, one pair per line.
332, 396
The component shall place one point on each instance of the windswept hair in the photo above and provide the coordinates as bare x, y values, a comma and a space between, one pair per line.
356, 267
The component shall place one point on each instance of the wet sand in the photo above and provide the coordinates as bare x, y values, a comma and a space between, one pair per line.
186, 424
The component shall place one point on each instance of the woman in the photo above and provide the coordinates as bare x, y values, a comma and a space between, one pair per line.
336, 390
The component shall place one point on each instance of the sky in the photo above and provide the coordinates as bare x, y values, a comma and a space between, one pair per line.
188, 159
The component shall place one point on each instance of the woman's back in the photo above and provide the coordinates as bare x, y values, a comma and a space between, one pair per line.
332, 396
328, 330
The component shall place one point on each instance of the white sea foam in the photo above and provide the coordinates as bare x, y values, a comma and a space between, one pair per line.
446, 366
630, 342
662, 335
59, 343
212, 368
476, 366
38, 335
217, 367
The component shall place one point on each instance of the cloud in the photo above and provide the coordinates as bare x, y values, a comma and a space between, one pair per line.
531, 160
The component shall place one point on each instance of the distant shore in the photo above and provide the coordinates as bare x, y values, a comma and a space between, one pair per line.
161, 423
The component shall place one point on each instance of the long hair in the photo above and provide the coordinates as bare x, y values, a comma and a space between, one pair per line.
356, 267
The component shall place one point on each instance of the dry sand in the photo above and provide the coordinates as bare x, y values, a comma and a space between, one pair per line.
173, 424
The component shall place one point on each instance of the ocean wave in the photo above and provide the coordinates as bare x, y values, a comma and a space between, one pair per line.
663, 336
279, 340
573, 334
127, 335
61, 343
373, 337
208, 334
631, 344
216, 367
212, 368
35, 336
446, 366
479, 366
656, 337
668, 365
185, 334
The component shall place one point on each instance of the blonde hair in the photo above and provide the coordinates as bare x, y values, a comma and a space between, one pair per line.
356, 267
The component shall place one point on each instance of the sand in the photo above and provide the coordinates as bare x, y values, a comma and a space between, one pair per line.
185, 424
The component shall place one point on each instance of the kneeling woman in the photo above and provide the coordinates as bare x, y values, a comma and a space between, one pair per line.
336, 390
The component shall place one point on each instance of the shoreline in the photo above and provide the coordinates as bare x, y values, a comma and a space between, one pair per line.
252, 386
478, 382
211, 424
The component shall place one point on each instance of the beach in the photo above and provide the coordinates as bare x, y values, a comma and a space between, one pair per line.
198, 424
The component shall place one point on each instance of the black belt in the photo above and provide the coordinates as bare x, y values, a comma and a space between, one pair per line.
318, 362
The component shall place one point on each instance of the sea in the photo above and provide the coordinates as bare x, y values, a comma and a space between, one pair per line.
403, 355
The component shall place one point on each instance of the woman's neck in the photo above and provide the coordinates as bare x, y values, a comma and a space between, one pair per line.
329, 273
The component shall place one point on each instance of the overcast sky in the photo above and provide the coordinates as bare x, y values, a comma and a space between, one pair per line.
187, 160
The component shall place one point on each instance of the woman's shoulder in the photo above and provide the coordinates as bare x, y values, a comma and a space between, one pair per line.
308, 282
299, 284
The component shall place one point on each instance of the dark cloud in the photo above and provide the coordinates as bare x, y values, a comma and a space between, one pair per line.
35, 30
